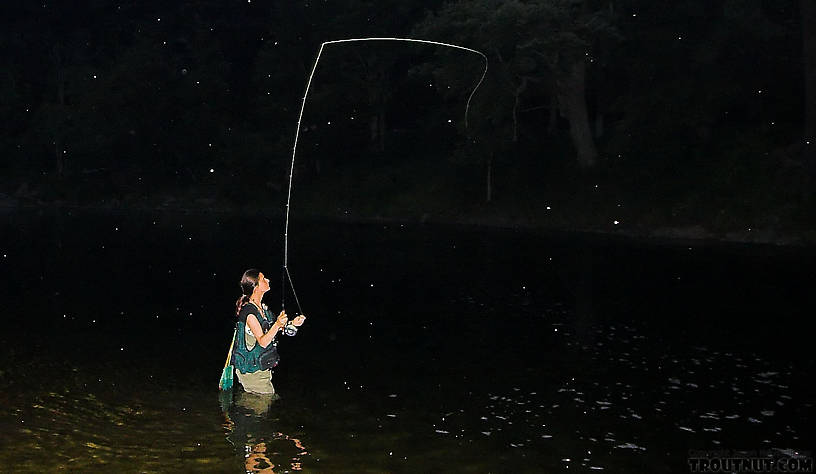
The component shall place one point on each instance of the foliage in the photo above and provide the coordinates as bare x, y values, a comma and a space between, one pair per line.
690, 100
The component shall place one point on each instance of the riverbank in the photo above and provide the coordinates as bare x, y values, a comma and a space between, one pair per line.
487, 217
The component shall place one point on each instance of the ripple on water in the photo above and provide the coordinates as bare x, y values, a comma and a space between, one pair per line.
83, 432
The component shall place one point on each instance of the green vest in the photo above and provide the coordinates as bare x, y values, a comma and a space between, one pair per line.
246, 350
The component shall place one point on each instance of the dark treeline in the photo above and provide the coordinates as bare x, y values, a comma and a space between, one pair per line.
686, 112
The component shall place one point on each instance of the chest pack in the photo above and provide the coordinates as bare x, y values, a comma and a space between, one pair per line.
248, 355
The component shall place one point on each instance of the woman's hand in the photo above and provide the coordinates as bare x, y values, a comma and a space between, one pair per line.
299, 320
282, 319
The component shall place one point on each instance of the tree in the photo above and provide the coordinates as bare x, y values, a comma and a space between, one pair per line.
537, 48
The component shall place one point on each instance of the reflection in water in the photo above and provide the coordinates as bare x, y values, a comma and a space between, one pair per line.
246, 417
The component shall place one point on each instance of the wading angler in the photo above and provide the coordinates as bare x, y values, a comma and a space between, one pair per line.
254, 350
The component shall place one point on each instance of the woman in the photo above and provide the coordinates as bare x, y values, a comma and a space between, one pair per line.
255, 349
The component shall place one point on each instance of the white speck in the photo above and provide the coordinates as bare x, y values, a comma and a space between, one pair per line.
616, 222
212, 170
679, 37
549, 208
121, 348
449, 120
94, 76
441, 431
630, 446
158, 19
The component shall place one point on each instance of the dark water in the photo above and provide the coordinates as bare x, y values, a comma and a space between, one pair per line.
427, 349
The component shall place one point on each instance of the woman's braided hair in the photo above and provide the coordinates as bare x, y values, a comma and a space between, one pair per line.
248, 283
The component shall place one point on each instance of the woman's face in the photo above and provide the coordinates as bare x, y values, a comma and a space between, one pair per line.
263, 283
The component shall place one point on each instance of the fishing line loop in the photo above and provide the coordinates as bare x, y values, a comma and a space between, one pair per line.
300, 119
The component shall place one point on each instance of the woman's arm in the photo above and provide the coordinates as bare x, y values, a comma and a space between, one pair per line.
264, 339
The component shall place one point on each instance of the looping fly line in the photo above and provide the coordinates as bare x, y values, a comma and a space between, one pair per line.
285, 271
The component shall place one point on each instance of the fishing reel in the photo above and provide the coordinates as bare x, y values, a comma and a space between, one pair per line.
290, 329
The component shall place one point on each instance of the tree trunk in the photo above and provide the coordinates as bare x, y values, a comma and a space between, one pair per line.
808, 16
377, 128
382, 127
519, 90
489, 197
572, 101
374, 130
60, 165
599, 125
552, 122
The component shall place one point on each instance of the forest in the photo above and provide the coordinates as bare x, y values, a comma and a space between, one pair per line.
691, 118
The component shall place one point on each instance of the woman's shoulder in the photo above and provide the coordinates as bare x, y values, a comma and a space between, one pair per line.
248, 309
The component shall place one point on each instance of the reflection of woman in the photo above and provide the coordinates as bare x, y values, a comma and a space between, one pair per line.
250, 430
255, 348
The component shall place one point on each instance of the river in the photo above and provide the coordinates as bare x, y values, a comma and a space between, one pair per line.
426, 349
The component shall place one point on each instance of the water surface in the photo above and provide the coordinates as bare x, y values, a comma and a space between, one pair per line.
427, 349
